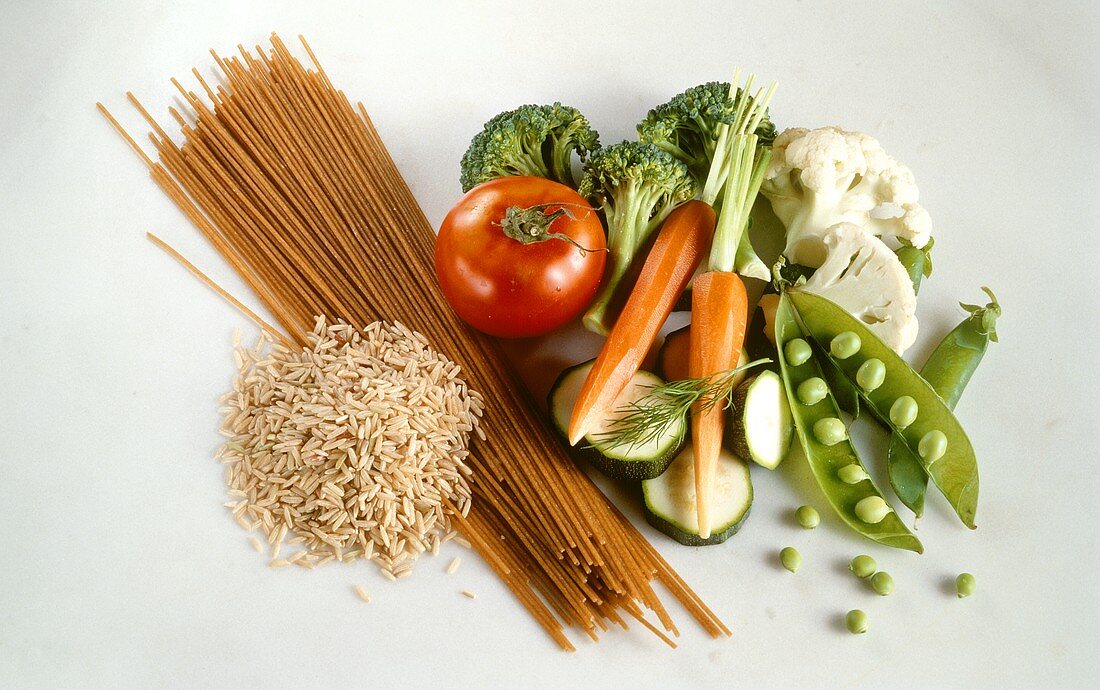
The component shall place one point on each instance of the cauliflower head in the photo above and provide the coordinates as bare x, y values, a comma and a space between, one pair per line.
820, 177
863, 276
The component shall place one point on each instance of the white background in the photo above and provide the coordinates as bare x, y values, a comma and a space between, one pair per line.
118, 565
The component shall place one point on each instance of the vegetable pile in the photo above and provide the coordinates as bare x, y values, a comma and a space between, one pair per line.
555, 227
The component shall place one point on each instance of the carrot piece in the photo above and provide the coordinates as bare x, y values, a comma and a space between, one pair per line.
679, 248
719, 311
672, 362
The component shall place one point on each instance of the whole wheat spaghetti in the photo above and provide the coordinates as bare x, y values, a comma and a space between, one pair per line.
294, 187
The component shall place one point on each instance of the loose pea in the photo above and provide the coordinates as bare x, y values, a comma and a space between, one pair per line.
872, 509
882, 583
964, 585
845, 345
856, 621
871, 374
830, 431
852, 474
932, 445
863, 566
790, 558
903, 412
812, 391
807, 517
797, 351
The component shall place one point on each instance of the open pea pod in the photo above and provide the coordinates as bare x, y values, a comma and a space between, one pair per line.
826, 461
951, 465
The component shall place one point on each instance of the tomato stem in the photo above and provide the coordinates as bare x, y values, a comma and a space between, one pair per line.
532, 224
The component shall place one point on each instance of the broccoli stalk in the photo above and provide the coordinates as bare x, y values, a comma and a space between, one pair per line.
532, 140
637, 185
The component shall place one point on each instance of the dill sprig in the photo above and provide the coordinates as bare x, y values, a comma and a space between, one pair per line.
652, 414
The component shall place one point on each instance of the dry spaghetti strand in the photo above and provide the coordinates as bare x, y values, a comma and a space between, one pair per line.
293, 186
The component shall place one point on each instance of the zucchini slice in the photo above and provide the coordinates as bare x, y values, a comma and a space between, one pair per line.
670, 499
761, 427
633, 463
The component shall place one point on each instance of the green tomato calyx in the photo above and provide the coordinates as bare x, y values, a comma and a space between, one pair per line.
532, 224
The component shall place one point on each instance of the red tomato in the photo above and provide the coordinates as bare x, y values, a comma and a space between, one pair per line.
511, 288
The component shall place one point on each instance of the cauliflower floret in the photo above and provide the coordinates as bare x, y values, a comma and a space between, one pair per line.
863, 276
820, 177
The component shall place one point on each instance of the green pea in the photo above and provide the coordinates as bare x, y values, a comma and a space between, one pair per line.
882, 583
871, 374
964, 585
812, 391
856, 621
790, 558
845, 345
852, 474
903, 412
863, 566
797, 351
830, 431
872, 509
807, 517
932, 445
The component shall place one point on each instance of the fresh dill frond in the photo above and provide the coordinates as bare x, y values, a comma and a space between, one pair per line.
652, 414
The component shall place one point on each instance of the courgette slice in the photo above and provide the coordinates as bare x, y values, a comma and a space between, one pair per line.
628, 462
670, 499
760, 426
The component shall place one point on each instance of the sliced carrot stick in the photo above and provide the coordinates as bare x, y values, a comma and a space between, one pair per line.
681, 242
719, 310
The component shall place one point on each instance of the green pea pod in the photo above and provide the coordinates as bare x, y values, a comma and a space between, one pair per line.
917, 262
955, 472
826, 460
947, 370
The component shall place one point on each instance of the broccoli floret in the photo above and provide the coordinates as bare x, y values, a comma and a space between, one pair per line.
688, 126
637, 185
535, 140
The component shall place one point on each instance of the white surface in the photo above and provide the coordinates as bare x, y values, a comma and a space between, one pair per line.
120, 567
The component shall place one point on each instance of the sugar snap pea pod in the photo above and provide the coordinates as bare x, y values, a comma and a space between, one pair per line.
826, 460
947, 370
917, 262
934, 434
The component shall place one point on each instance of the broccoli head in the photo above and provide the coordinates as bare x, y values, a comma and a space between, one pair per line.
688, 126
534, 140
637, 185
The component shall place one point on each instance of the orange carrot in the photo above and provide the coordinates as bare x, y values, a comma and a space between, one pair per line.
719, 312
680, 244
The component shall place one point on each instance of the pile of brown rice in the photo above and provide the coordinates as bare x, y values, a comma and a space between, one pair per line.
351, 447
